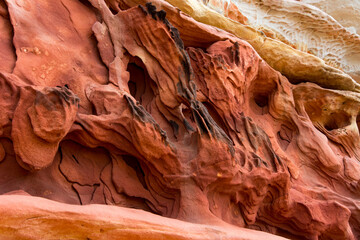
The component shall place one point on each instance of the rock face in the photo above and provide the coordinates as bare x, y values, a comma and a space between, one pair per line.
175, 109
52, 220
305, 27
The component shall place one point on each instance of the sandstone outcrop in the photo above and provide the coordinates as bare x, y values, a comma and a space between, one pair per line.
201, 124
305, 27
52, 220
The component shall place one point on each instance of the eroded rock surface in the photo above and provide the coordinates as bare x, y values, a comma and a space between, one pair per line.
147, 107
304, 26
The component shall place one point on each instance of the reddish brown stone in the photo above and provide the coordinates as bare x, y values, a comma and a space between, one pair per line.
147, 109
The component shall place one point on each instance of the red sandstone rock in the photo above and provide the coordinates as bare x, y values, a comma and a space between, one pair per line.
147, 109
52, 220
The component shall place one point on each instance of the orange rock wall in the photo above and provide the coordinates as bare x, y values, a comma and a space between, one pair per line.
107, 102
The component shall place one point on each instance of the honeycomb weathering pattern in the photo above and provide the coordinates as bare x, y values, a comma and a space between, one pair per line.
171, 108
326, 29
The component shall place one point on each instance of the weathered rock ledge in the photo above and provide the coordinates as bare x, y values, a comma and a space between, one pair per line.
27, 217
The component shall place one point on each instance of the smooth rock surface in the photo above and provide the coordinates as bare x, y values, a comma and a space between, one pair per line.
52, 220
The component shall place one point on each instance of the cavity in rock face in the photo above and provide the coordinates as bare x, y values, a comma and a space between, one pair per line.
135, 104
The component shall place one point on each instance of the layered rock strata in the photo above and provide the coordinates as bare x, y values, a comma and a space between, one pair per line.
175, 109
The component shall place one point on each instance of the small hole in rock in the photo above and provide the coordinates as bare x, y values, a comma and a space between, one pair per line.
141, 86
337, 120
137, 81
261, 100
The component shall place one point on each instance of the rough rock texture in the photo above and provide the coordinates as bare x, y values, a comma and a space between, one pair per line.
346, 13
306, 27
190, 116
